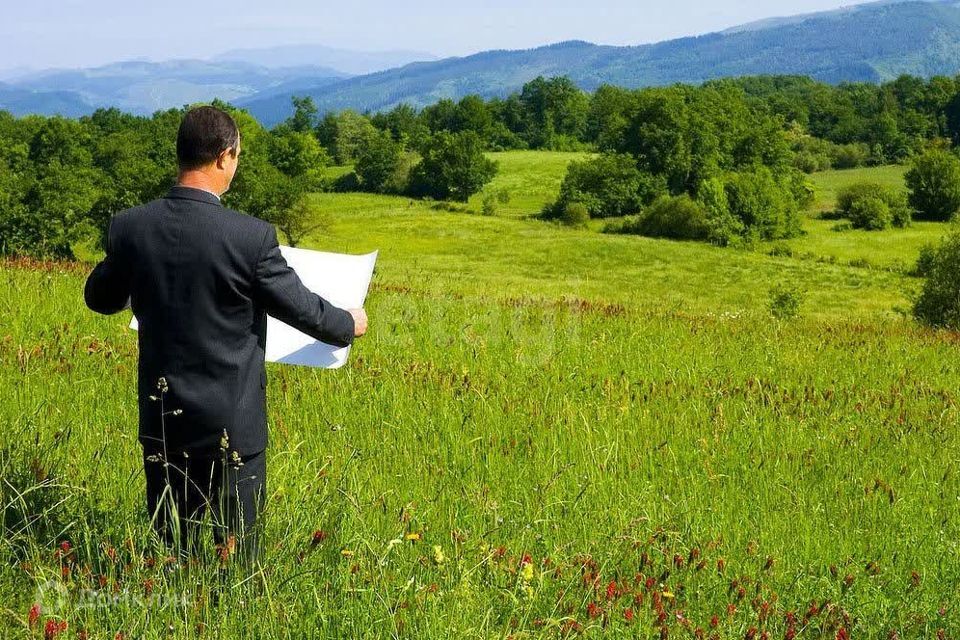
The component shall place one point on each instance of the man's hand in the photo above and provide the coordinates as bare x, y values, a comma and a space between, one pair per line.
359, 321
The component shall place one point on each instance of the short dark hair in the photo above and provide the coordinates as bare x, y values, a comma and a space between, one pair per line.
204, 134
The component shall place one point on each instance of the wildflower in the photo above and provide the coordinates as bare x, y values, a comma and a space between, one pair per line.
612, 590
346, 553
628, 614
224, 441
53, 628
413, 536
842, 634
527, 572
593, 610
318, 536
714, 621
162, 384
34, 615
438, 554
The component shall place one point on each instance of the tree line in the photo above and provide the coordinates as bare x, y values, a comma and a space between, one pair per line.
722, 161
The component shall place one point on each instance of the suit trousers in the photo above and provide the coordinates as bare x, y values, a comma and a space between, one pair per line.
185, 488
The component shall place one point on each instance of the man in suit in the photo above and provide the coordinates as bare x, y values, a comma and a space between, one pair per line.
201, 279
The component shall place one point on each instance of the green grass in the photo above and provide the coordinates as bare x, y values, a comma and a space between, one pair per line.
614, 409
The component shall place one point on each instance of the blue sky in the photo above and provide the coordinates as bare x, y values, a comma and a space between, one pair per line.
70, 33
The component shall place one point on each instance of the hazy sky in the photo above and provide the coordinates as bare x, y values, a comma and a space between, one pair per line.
70, 33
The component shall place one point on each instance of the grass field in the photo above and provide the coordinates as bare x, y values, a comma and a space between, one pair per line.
547, 433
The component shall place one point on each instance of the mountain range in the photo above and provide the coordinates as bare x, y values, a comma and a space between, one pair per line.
868, 42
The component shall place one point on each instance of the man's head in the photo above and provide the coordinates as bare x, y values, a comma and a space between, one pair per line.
208, 148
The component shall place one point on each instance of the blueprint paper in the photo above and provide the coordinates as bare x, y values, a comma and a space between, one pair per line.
341, 279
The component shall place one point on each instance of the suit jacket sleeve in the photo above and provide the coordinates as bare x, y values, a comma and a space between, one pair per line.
279, 289
107, 289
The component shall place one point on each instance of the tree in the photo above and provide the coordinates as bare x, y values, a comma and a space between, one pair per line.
378, 164
453, 167
608, 185
304, 115
299, 220
296, 153
344, 133
934, 185
555, 112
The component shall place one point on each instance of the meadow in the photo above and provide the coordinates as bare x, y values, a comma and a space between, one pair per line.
548, 432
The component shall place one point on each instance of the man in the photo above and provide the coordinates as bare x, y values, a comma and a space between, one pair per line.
200, 279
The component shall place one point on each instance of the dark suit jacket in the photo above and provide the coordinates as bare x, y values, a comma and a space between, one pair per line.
201, 278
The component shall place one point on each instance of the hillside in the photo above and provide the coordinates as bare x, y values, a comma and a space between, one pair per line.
872, 42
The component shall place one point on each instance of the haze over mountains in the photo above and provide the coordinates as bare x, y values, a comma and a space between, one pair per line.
871, 42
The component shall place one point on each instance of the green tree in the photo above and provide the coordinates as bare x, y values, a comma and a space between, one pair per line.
378, 164
453, 167
933, 182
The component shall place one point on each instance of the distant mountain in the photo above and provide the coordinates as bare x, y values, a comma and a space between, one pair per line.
347, 62
21, 102
143, 87
867, 42
870, 42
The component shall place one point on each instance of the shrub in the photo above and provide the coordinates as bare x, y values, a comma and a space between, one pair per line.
678, 217
924, 263
575, 214
870, 213
763, 204
849, 197
934, 185
608, 185
849, 156
785, 302
938, 304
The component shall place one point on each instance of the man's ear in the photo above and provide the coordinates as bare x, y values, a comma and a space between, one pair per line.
222, 159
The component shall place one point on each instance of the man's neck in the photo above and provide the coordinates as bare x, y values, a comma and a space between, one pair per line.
196, 182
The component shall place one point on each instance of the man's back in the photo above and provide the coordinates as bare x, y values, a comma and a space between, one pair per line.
200, 279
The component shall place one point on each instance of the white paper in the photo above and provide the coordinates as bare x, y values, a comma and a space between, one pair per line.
341, 279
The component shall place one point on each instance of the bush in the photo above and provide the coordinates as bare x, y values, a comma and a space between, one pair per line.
785, 302
924, 263
608, 185
677, 217
764, 205
849, 156
934, 185
870, 213
575, 214
938, 304
850, 205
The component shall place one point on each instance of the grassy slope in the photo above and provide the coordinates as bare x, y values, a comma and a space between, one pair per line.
495, 422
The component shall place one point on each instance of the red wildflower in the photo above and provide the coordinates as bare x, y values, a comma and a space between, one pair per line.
593, 610
714, 621
526, 559
34, 616
628, 614
751, 633
612, 590
53, 628
318, 536
842, 634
